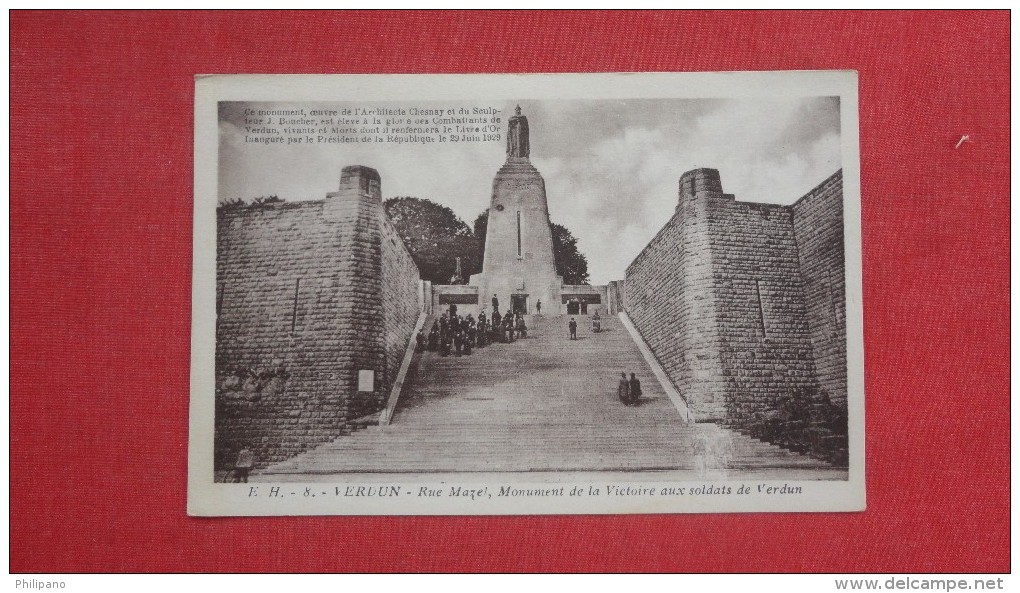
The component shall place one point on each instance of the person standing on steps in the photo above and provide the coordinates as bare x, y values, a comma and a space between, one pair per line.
623, 389
434, 337
538, 306
444, 348
573, 328
635, 390
495, 302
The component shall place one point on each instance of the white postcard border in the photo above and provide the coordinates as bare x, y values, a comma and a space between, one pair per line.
206, 498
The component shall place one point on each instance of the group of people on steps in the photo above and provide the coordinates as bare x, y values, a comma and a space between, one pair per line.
459, 335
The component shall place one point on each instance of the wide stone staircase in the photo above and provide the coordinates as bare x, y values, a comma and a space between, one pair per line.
543, 403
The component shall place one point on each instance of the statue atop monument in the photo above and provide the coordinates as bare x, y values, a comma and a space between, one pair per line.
517, 137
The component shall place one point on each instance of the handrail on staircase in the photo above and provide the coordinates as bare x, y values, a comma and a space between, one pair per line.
398, 384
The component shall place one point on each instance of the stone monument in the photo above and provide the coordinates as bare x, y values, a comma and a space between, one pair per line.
519, 266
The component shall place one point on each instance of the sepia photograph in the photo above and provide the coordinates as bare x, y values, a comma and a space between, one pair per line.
703, 295
527, 294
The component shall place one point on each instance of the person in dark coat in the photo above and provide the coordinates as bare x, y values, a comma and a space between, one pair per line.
469, 338
421, 341
458, 341
497, 319
522, 327
482, 322
635, 390
538, 306
444, 326
434, 337
623, 389
495, 302
573, 331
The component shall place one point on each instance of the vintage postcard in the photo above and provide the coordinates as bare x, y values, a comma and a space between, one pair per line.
527, 294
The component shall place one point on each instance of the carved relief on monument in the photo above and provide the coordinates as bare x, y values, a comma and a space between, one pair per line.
521, 185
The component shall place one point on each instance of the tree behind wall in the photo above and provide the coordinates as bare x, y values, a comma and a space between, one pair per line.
570, 262
435, 238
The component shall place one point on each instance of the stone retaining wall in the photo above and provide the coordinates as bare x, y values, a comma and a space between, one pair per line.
818, 224
742, 316
308, 295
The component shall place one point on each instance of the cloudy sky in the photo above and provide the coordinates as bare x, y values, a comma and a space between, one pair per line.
610, 167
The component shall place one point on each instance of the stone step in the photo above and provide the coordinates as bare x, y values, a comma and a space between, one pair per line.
542, 403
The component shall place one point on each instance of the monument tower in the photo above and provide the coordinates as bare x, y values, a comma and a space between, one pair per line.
519, 266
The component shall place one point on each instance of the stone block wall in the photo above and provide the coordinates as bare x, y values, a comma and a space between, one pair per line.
308, 294
764, 341
818, 225
402, 298
668, 294
720, 296
354, 212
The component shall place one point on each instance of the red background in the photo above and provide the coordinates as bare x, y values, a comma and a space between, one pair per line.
101, 222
